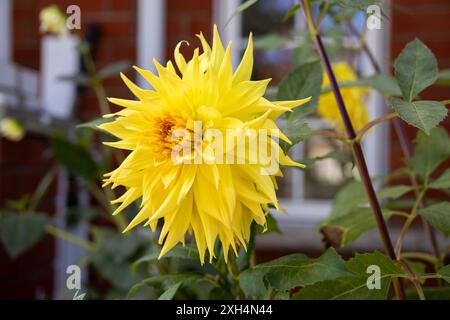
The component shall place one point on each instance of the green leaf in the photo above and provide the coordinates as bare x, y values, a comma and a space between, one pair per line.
114, 69
361, 5
443, 182
95, 123
188, 252
113, 255
415, 69
166, 281
430, 152
297, 130
424, 115
349, 197
20, 232
439, 216
272, 226
76, 158
444, 272
342, 230
170, 293
394, 192
241, 8
355, 287
384, 84
304, 82
291, 12
292, 271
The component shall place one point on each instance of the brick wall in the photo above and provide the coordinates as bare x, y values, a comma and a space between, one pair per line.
23, 164
185, 19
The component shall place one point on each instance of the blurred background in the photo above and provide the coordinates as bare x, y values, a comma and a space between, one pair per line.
124, 33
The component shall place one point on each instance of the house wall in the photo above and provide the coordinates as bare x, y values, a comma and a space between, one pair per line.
23, 164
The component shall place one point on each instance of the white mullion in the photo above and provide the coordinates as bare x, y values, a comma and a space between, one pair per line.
5, 31
151, 26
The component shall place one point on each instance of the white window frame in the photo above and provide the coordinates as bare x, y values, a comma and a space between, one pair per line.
5, 30
151, 34
301, 212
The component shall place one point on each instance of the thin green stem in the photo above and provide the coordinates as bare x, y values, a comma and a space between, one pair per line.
42, 189
373, 123
420, 256
59, 233
408, 222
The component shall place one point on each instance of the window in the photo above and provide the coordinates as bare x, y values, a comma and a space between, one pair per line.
306, 195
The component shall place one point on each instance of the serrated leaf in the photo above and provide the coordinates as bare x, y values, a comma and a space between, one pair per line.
444, 272
430, 152
353, 195
361, 5
170, 293
188, 252
415, 69
328, 266
20, 232
424, 115
292, 271
166, 281
394, 192
443, 182
297, 130
349, 197
305, 81
439, 216
342, 230
346, 288
355, 287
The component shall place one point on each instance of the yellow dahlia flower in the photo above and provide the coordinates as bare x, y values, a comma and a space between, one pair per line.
353, 97
53, 20
11, 129
189, 180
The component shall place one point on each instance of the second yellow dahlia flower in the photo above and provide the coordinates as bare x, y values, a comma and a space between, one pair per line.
353, 98
201, 192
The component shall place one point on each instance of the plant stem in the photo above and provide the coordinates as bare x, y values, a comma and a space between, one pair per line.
374, 122
42, 189
356, 148
420, 256
69, 237
404, 142
408, 222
